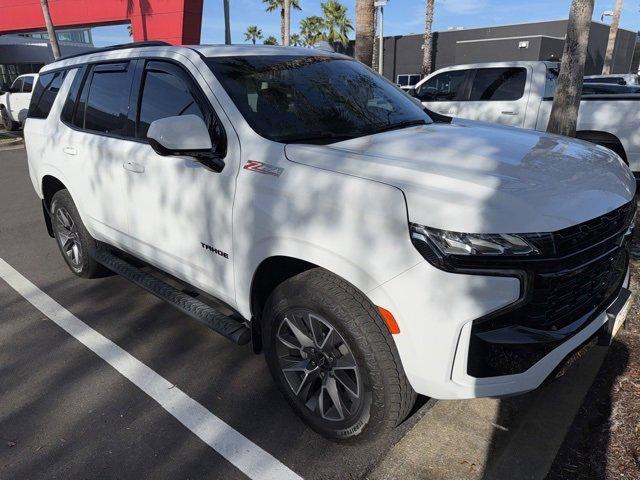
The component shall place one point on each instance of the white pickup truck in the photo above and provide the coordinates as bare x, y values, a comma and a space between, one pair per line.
520, 94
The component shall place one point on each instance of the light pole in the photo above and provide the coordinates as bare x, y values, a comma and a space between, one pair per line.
380, 4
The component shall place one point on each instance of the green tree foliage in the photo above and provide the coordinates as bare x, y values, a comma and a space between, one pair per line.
252, 34
337, 23
312, 30
278, 6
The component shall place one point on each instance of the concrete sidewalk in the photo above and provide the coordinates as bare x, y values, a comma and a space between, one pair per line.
514, 438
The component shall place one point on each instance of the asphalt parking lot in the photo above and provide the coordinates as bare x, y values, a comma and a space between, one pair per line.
71, 415
134, 389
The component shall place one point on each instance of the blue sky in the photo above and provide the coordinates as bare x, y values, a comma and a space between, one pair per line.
401, 16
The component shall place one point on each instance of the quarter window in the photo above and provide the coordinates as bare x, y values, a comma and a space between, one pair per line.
44, 94
164, 95
445, 87
498, 84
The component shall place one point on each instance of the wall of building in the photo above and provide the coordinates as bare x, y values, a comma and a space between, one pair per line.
403, 54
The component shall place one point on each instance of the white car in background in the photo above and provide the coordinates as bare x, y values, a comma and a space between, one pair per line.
520, 94
14, 103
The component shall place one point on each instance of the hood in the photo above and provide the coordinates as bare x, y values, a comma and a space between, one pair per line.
480, 178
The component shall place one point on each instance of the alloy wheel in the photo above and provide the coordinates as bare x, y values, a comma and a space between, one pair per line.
68, 237
318, 365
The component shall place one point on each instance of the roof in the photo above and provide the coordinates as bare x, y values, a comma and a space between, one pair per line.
244, 50
136, 50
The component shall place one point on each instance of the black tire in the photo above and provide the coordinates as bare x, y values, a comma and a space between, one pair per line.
386, 396
8, 124
62, 206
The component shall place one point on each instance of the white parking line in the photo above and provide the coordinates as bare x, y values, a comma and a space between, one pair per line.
249, 458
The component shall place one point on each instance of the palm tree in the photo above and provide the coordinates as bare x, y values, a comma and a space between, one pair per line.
278, 5
287, 22
253, 33
53, 39
312, 30
566, 102
428, 39
613, 33
295, 40
365, 30
336, 22
270, 40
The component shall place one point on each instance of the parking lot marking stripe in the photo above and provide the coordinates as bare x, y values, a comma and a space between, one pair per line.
245, 455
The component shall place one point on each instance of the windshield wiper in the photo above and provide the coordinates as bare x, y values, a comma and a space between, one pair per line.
323, 137
399, 125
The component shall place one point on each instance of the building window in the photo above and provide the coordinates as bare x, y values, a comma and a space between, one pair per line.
10, 71
408, 79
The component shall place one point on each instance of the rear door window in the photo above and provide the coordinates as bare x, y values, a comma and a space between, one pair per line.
445, 87
27, 85
104, 101
498, 84
45, 93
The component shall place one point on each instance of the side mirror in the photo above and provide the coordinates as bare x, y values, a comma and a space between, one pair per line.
184, 135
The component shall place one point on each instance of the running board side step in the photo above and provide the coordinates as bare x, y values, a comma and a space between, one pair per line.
226, 326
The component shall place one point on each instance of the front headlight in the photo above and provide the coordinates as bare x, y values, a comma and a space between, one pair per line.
479, 244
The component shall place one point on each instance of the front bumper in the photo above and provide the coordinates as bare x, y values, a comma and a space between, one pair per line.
435, 311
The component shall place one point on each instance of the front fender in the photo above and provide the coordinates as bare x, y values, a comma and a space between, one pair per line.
355, 228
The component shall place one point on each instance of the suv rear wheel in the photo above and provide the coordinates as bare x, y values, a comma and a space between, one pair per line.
72, 237
333, 358
8, 124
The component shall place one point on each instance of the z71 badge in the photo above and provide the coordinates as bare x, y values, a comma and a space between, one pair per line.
265, 168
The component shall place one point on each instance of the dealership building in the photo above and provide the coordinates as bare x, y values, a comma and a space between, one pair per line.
28, 52
527, 41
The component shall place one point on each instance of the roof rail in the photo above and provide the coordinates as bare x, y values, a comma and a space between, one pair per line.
122, 46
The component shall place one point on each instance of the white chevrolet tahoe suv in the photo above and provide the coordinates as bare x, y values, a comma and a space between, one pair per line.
372, 250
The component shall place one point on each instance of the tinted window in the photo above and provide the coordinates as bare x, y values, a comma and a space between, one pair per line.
16, 86
498, 84
164, 95
107, 100
313, 98
27, 86
45, 93
614, 80
445, 87
550, 83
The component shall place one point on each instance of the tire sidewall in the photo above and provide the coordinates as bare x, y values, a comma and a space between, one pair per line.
293, 295
63, 199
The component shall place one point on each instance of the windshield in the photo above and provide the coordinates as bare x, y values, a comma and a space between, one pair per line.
315, 99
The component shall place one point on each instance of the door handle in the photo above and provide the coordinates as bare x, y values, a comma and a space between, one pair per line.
508, 112
133, 167
70, 151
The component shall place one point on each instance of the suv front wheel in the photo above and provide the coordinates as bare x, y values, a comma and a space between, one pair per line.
333, 358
